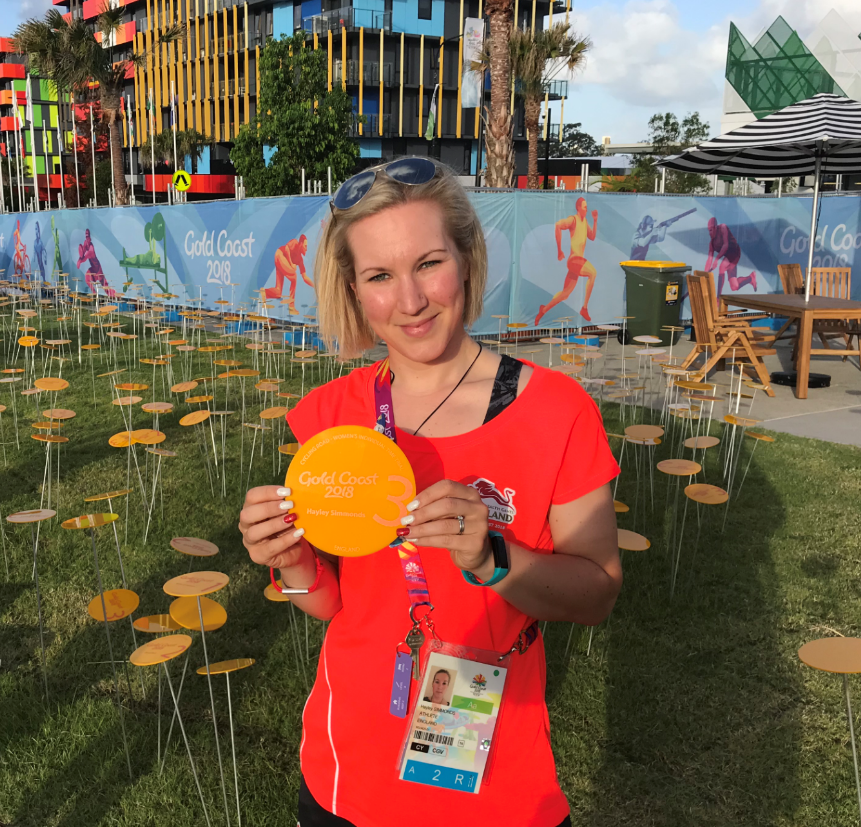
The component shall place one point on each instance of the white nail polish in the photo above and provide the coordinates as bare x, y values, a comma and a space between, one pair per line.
413, 505
299, 532
408, 520
287, 504
283, 492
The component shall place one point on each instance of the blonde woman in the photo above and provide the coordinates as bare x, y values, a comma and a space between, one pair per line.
514, 517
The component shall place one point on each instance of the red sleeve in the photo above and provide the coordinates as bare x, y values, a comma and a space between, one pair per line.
587, 463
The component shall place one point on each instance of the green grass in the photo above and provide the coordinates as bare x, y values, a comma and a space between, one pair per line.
694, 711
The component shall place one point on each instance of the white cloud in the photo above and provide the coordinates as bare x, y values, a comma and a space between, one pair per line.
25, 10
801, 15
642, 56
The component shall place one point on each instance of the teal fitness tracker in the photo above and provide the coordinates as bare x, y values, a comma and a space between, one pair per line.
500, 562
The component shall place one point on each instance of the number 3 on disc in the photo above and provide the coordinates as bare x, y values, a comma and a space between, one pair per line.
351, 486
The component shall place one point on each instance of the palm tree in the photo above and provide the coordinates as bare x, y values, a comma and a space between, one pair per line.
536, 58
189, 142
497, 121
68, 54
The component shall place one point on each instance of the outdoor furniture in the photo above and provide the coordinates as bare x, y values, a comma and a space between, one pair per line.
716, 340
835, 283
808, 312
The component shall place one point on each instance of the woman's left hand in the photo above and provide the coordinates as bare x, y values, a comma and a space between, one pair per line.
433, 522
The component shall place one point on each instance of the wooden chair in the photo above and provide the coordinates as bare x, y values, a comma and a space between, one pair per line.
834, 283
733, 318
791, 278
722, 311
716, 340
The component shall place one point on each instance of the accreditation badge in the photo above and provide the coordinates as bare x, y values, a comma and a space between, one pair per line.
454, 719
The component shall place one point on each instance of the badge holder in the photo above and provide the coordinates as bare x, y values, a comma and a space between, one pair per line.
455, 715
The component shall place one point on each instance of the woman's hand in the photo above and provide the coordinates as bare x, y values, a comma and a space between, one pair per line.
433, 522
268, 531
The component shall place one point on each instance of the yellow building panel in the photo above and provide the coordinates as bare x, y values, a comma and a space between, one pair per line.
380, 116
197, 89
207, 85
226, 75
439, 96
235, 71
459, 76
478, 108
257, 71
343, 58
401, 105
329, 60
361, 70
247, 112
216, 88
165, 79
172, 89
421, 82
136, 104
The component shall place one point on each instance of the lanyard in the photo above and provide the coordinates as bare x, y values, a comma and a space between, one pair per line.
408, 553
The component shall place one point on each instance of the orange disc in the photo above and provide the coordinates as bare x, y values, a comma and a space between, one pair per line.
157, 407
122, 401
156, 624
351, 486
50, 383
119, 603
706, 494
224, 666
194, 400
28, 341
184, 387
194, 546
160, 650
131, 386
89, 521
184, 611
679, 467
273, 413
147, 436
194, 418
196, 583
122, 440
58, 413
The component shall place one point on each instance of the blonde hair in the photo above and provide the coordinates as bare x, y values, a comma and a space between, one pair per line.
342, 320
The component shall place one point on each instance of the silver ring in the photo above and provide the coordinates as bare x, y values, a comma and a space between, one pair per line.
460, 520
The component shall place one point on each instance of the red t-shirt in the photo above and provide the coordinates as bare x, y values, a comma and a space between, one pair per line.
547, 447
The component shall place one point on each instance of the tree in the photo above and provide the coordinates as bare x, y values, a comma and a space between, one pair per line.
69, 54
498, 140
668, 136
303, 125
536, 58
574, 143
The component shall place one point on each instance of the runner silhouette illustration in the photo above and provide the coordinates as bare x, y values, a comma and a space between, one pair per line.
581, 232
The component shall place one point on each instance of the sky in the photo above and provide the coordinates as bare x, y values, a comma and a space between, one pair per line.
648, 56
651, 56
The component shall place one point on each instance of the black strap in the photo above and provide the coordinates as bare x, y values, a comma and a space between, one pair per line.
504, 386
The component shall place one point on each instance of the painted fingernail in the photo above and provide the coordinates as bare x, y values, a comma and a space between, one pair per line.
299, 532
283, 492
285, 505
291, 518
403, 532
408, 520
413, 505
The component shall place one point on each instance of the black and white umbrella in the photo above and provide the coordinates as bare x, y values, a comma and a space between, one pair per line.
819, 135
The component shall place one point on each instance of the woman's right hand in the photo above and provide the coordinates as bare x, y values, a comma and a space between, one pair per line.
268, 531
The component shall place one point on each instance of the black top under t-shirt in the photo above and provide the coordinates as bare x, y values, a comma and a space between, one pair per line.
504, 387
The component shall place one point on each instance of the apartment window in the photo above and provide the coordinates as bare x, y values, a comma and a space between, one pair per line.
424, 9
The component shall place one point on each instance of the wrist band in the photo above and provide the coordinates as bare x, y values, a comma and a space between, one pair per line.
284, 590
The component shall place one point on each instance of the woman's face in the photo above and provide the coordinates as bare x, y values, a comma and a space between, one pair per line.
409, 279
440, 683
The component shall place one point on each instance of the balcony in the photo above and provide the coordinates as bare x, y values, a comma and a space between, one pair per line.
556, 88
371, 128
7, 96
6, 44
371, 74
10, 71
348, 18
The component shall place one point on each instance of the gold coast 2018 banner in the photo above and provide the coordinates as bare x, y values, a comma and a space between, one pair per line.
551, 255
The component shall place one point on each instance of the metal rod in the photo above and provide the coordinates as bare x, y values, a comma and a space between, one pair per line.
813, 218
233, 749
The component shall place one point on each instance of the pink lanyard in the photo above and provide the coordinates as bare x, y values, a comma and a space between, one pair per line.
408, 553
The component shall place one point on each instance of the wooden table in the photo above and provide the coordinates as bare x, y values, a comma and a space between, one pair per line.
815, 309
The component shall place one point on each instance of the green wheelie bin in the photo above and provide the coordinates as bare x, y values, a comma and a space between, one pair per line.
653, 293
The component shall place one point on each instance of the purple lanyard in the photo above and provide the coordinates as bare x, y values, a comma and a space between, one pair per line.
408, 553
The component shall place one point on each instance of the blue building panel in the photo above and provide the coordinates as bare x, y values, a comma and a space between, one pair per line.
282, 19
268, 152
311, 8
370, 147
473, 158
203, 165
405, 18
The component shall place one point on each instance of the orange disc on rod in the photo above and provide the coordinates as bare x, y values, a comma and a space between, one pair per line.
156, 624
89, 521
50, 383
119, 603
184, 611
194, 418
160, 650
224, 666
196, 583
194, 546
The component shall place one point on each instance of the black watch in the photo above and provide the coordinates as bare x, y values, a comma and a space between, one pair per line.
501, 563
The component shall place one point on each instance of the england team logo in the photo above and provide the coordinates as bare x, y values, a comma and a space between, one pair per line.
500, 503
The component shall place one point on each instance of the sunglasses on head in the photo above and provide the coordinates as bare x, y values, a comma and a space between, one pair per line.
411, 171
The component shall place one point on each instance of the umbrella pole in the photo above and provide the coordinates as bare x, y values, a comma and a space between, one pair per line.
812, 243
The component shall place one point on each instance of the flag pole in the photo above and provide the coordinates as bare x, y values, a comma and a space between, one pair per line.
45, 134
75, 147
152, 141
2, 185
112, 201
19, 142
93, 150
60, 151
173, 125
32, 142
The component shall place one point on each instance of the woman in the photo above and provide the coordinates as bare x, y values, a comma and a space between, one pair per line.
498, 447
440, 684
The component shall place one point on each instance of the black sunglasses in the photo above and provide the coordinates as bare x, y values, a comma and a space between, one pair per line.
411, 171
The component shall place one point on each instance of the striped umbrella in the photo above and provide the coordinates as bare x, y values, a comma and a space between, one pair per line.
819, 135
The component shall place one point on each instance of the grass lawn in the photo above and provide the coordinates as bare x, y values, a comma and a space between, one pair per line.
694, 711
